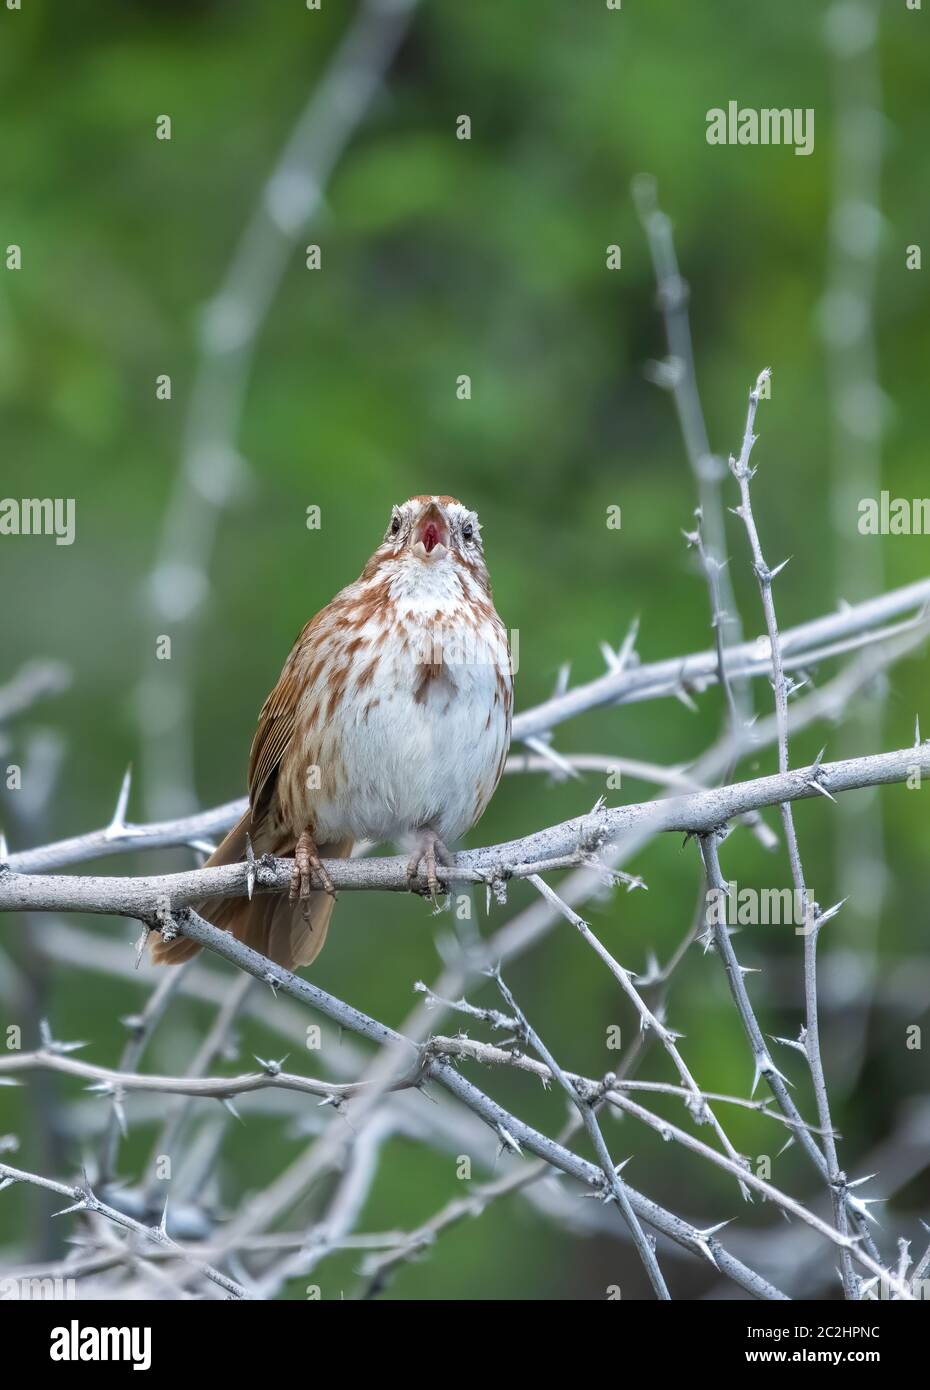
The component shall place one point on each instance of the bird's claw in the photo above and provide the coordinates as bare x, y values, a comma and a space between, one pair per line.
307, 863
431, 853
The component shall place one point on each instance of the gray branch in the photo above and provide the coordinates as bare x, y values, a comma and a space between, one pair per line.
144, 897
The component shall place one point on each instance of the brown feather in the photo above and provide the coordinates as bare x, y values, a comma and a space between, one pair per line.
270, 923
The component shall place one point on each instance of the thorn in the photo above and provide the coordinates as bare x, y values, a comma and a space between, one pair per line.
683, 695
228, 1103
818, 787
652, 971
273, 1068
862, 1204
4, 849
792, 686
857, 1182
916, 739
712, 1230
140, 947
830, 912
792, 1042
162, 1227
250, 871
80, 1205
764, 1066
629, 642
118, 823
50, 1045
508, 1141
541, 746
706, 1250
778, 568
609, 655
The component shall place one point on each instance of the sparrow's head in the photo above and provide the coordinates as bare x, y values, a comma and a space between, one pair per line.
434, 531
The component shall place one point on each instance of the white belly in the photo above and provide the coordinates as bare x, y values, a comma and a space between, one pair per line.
412, 762
406, 722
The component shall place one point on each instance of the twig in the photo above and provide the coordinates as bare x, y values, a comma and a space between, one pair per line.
33, 682
801, 646
701, 1112
167, 1137
763, 1064
141, 1028
697, 814
586, 1109
847, 1244
487, 1054
84, 1199
743, 474
678, 375
112, 1081
488, 1110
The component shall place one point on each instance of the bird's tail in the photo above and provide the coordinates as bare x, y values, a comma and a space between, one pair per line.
269, 923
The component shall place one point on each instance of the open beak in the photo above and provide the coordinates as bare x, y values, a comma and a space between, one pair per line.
431, 534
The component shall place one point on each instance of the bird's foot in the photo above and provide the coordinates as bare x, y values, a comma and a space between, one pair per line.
431, 853
307, 863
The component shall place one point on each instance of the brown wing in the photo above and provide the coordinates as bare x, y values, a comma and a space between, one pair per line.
277, 720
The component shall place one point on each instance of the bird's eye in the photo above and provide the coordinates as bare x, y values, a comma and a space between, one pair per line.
395, 525
468, 531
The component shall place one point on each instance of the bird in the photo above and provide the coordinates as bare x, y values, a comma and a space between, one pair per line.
390, 722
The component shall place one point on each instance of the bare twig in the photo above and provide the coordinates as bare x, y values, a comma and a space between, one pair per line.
141, 1027
144, 897
615, 1185
765, 575
84, 1199
701, 1112
488, 1110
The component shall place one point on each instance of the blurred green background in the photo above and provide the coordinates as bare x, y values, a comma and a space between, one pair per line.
442, 257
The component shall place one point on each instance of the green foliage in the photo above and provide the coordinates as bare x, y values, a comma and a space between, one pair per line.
443, 257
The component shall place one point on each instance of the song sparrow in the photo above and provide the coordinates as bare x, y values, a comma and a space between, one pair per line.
390, 721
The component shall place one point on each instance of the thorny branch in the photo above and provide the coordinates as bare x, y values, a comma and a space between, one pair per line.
743, 474
583, 841
571, 842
